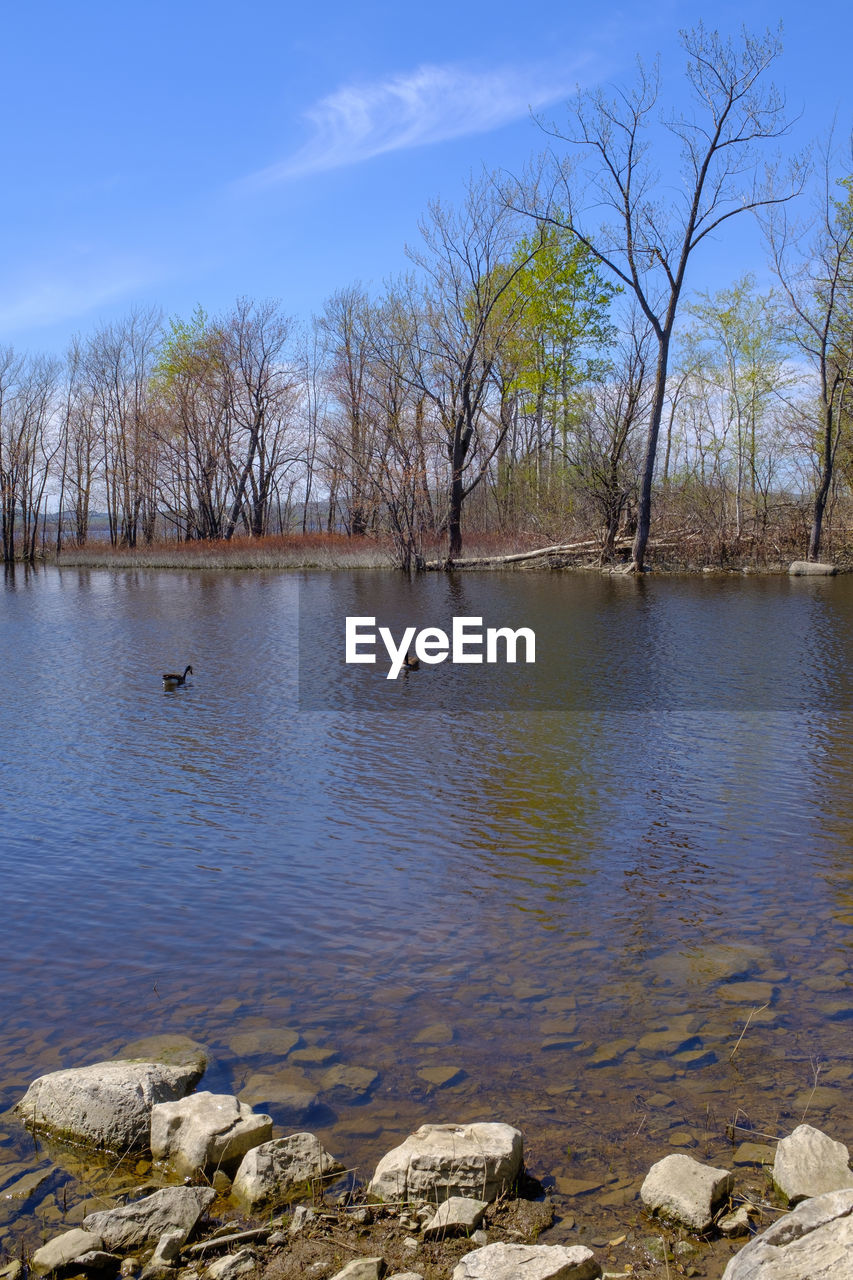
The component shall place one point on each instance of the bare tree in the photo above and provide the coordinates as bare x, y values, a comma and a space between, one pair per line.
652, 234
816, 274
466, 312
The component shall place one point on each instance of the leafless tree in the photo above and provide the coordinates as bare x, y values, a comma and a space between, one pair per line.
652, 234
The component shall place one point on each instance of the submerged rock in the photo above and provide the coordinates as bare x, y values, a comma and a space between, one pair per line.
680, 1188
206, 1131
808, 1163
108, 1104
813, 1242
443, 1160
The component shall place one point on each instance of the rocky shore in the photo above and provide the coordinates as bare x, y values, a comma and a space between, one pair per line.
452, 1202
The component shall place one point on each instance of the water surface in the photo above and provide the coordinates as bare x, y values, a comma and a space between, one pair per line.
569, 884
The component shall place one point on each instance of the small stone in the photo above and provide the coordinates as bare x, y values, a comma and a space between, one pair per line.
441, 1077
410, 1244
233, 1265
480, 1238
456, 1216
438, 1033
735, 1224
361, 1269
607, 1055
302, 1215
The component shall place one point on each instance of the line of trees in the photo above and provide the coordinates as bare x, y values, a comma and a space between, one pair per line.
541, 373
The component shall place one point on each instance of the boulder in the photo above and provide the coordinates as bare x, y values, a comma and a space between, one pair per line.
808, 1163
166, 1254
811, 569
107, 1104
442, 1160
275, 1171
457, 1216
206, 1131
62, 1250
680, 1188
528, 1262
145, 1221
813, 1242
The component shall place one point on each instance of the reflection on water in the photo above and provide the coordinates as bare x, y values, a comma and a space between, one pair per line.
571, 884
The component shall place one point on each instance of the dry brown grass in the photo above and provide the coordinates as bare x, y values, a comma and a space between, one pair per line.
281, 551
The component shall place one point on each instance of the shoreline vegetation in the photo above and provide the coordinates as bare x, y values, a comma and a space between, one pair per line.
678, 552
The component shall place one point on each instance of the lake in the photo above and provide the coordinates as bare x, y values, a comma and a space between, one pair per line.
552, 894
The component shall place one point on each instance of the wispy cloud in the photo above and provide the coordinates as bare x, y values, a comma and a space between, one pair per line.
47, 298
413, 109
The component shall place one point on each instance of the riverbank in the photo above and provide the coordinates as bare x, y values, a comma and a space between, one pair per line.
452, 1202
335, 551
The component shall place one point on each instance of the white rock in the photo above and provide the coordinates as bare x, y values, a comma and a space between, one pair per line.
813, 1242
146, 1220
63, 1250
808, 1163
361, 1269
273, 1172
242, 1263
681, 1188
107, 1104
528, 1262
456, 1216
205, 1131
811, 569
442, 1160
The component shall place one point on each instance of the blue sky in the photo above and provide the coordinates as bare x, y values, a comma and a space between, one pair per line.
184, 153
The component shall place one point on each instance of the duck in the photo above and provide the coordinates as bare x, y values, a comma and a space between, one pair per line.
410, 663
171, 679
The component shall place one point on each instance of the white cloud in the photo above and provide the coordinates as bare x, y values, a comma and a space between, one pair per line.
47, 298
413, 109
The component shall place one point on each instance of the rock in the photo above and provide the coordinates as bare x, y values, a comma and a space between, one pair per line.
165, 1254
405, 1275
62, 1250
107, 1104
457, 1216
361, 1269
443, 1160
753, 1153
302, 1215
681, 1188
528, 1262
347, 1084
808, 1163
242, 1263
275, 1171
205, 1131
438, 1033
27, 1186
699, 966
811, 569
171, 1050
289, 1094
441, 1077
266, 1042
15, 1271
735, 1224
146, 1220
813, 1242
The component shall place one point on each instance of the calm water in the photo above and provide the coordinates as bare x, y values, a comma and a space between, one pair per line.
569, 883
